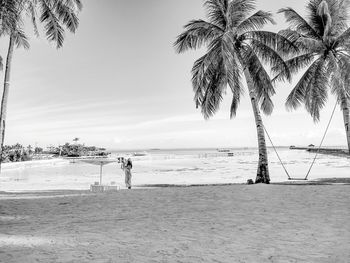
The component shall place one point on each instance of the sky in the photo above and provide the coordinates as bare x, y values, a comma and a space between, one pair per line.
118, 83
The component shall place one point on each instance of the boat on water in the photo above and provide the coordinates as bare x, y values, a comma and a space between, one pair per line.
223, 150
293, 147
140, 153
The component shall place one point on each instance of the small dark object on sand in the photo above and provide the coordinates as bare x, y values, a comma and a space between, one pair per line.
250, 181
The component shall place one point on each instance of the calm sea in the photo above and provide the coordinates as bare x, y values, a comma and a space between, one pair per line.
182, 166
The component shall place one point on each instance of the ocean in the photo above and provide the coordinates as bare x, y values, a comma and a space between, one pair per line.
173, 166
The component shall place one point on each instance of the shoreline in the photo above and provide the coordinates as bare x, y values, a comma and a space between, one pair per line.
77, 192
31, 163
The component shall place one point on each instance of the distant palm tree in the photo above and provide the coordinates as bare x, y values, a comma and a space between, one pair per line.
54, 14
235, 47
324, 44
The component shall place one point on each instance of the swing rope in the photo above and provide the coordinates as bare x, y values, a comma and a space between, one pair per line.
324, 135
268, 135
317, 152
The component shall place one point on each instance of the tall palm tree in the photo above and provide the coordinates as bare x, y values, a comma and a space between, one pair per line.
323, 41
236, 49
55, 15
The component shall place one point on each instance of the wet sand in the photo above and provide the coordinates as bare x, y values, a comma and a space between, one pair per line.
232, 223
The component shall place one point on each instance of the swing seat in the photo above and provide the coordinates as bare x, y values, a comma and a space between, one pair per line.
300, 179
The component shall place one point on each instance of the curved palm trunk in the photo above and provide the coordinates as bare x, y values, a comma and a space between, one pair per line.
5, 96
346, 117
262, 175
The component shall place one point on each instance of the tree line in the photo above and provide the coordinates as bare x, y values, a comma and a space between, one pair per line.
19, 153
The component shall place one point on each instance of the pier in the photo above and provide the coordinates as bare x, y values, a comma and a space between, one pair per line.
333, 151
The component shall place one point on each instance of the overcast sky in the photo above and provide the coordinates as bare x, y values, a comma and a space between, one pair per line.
118, 83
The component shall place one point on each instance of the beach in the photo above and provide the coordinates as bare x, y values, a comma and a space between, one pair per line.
122, 146
235, 223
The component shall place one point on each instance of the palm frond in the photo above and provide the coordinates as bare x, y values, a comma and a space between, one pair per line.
53, 29
9, 16
210, 76
311, 90
343, 39
198, 80
20, 38
324, 13
262, 82
232, 65
297, 95
340, 82
294, 65
216, 12
314, 18
214, 90
276, 41
238, 11
338, 11
67, 16
342, 94
302, 43
31, 11
255, 22
298, 23
272, 58
203, 69
197, 33
317, 92
75, 5
331, 65
236, 97
233, 71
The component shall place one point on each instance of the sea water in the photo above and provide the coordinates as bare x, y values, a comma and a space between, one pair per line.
178, 167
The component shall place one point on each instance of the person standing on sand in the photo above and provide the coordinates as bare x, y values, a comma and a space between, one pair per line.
127, 166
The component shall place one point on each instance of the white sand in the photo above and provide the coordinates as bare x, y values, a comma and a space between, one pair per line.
238, 223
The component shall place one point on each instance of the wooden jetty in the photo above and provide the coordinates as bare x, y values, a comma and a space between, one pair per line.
328, 150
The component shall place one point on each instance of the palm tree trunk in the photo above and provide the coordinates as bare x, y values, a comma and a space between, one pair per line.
346, 117
5, 96
262, 175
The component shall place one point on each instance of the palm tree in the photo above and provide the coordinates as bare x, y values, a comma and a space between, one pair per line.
54, 14
236, 47
323, 41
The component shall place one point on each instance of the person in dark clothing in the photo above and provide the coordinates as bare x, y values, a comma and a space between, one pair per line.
127, 166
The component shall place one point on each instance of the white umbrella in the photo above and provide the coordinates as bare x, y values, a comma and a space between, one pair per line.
101, 162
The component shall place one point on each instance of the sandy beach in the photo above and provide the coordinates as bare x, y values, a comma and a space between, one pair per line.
236, 223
